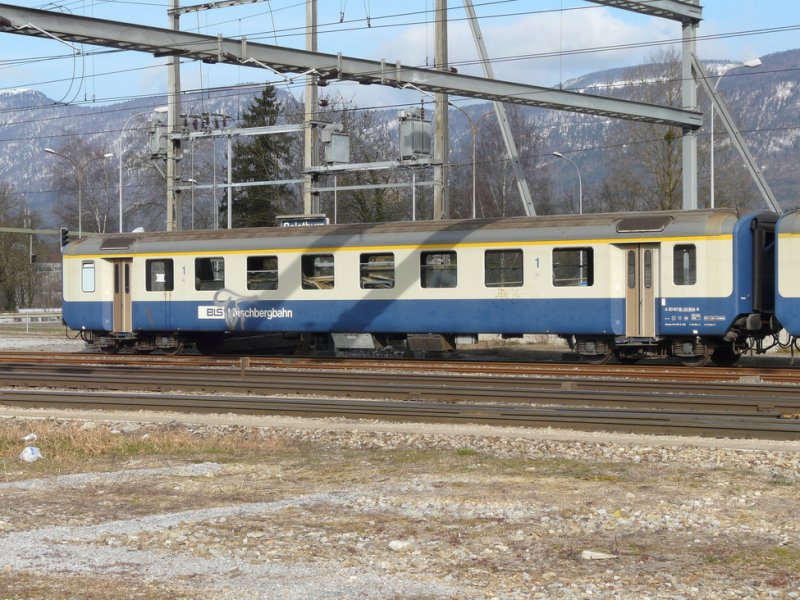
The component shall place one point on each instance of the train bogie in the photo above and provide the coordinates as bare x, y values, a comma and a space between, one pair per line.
648, 284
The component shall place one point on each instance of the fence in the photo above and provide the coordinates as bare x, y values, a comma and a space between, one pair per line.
29, 320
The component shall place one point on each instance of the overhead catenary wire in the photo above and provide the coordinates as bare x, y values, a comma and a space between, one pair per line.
465, 63
287, 32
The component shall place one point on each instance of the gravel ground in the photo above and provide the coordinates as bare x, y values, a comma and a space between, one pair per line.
338, 509
325, 509
40, 343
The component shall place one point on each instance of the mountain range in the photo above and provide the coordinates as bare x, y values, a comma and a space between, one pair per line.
764, 102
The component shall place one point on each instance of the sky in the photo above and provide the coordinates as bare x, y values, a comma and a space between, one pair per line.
541, 42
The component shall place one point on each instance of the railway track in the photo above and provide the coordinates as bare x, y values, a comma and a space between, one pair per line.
505, 393
706, 423
569, 366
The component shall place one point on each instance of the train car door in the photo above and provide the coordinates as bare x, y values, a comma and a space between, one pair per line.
641, 274
122, 295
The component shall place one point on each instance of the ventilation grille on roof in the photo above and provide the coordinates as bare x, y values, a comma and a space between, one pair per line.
117, 243
642, 224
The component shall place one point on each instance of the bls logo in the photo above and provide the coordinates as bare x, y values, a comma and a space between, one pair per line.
210, 312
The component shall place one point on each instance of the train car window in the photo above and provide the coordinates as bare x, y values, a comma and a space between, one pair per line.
502, 268
438, 269
317, 271
158, 275
377, 271
209, 273
631, 269
684, 264
262, 272
573, 267
87, 276
648, 269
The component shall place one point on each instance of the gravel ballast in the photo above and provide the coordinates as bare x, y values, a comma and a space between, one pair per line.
338, 509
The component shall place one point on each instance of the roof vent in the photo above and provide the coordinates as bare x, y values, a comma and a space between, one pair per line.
642, 224
117, 243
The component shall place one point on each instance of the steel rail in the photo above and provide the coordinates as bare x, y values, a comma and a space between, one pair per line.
568, 368
720, 397
617, 420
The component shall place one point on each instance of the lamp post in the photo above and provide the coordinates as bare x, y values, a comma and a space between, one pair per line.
80, 168
473, 126
752, 63
580, 182
119, 155
193, 182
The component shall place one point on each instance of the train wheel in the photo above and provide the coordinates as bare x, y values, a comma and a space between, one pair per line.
626, 358
701, 360
725, 356
597, 359
176, 350
112, 349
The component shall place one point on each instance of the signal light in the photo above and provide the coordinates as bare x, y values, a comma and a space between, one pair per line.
64, 237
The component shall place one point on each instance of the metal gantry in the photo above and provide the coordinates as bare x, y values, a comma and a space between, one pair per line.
322, 68
210, 49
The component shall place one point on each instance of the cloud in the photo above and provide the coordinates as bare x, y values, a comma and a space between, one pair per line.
526, 49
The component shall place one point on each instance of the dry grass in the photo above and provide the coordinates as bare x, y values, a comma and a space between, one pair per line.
46, 587
67, 446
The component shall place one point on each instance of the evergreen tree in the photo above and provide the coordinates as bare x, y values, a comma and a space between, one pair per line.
256, 159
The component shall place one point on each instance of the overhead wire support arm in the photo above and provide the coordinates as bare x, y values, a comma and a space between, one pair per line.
502, 118
210, 5
195, 46
736, 137
676, 10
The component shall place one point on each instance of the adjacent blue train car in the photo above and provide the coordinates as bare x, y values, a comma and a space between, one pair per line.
787, 301
693, 284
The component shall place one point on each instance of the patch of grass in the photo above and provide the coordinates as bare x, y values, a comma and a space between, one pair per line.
780, 481
775, 557
55, 587
66, 446
575, 469
466, 452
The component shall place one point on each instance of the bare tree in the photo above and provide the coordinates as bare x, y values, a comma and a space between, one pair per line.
144, 188
648, 156
81, 175
371, 141
497, 192
17, 282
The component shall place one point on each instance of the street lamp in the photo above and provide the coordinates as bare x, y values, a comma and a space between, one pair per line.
752, 63
193, 182
580, 182
81, 169
473, 126
119, 155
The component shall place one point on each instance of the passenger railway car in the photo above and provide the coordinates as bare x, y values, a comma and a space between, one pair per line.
787, 301
696, 285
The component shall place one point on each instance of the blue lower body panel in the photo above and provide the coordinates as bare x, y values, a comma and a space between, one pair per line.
92, 316
676, 317
385, 316
696, 316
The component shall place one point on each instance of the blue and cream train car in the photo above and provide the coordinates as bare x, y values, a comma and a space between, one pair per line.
787, 300
689, 284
